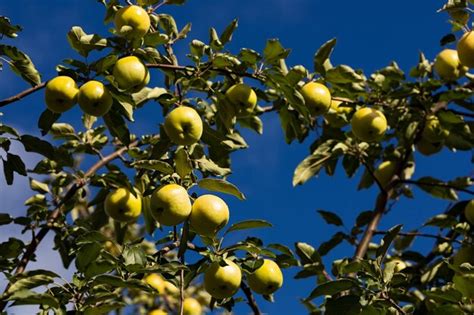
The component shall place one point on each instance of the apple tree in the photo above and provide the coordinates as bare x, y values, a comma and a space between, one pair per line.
123, 207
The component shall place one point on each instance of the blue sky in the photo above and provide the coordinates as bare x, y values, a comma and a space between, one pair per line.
370, 34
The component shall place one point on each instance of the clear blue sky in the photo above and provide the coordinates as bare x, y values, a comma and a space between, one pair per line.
370, 34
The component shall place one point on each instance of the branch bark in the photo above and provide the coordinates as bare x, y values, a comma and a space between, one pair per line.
250, 299
22, 94
438, 237
417, 183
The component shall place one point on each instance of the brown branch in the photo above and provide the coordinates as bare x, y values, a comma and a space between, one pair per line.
250, 299
22, 94
417, 183
438, 237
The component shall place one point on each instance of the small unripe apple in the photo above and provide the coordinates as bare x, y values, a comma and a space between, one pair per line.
158, 312
94, 98
266, 279
464, 255
465, 49
464, 284
170, 204
191, 306
385, 171
61, 94
368, 124
222, 281
433, 131
317, 98
183, 125
131, 74
335, 116
469, 212
209, 214
132, 22
448, 66
428, 148
121, 205
242, 96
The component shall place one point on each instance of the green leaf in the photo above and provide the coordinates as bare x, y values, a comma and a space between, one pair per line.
436, 188
39, 186
134, 255
27, 297
117, 127
226, 36
86, 255
84, 43
387, 241
16, 164
7, 28
221, 185
307, 253
34, 144
8, 172
309, 167
331, 218
5, 218
11, 248
343, 74
274, 51
154, 39
184, 31
207, 165
248, 224
21, 64
321, 58
31, 280
156, 165
183, 163
335, 240
332, 288
46, 120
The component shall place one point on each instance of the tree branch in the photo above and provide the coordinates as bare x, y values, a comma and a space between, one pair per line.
250, 299
22, 94
417, 183
438, 237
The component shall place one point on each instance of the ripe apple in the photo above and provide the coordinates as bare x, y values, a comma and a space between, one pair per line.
191, 306
266, 279
337, 115
464, 255
170, 204
464, 284
222, 281
385, 171
469, 212
61, 94
448, 66
243, 96
368, 124
427, 148
132, 22
158, 312
121, 205
465, 49
94, 98
433, 131
131, 74
208, 215
156, 282
183, 125
317, 98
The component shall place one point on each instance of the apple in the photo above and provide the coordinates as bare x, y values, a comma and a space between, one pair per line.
448, 66
464, 255
131, 74
368, 124
465, 49
243, 96
433, 131
337, 115
132, 22
94, 98
61, 94
266, 279
317, 98
121, 205
191, 306
158, 312
183, 125
464, 284
162, 286
170, 204
469, 212
208, 215
427, 148
222, 281
385, 171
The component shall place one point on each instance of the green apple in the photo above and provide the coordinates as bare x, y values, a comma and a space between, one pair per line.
317, 98
337, 115
448, 66
191, 306
170, 204
368, 124
132, 22
94, 98
131, 74
121, 205
428, 148
183, 125
433, 131
242, 96
465, 49
222, 281
385, 171
209, 214
464, 255
464, 284
266, 279
61, 94
469, 212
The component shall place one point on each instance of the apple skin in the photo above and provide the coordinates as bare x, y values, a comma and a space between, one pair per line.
465, 49
242, 96
136, 18
131, 74
317, 98
158, 312
385, 171
208, 215
448, 66
183, 125
433, 131
222, 281
121, 205
469, 212
170, 204
266, 279
94, 98
368, 124
191, 306
61, 94
464, 284
162, 286
428, 148
333, 116
464, 255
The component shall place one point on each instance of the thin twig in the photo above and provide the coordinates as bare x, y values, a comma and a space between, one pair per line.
438, 237
444, 185
250, 299
22, 94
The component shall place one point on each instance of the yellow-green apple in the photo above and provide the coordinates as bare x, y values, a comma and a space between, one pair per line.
170, 204
242, 96
433, 131
222, 281
191, 306
132, 22
94, 98
368, 124
427, 148
266, 279
469, 212
385, 171
131, 74
448, 66
465, 49
337, 115
183, 125
158, 311
121, 205
317, 98
208, 215
61, 94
